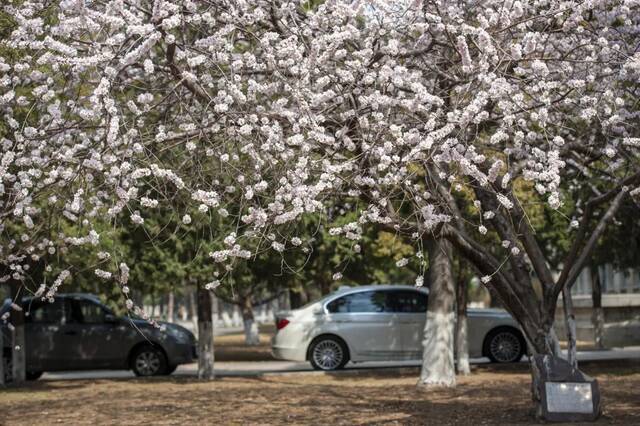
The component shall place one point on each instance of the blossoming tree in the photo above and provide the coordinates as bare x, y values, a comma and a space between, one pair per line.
258, 112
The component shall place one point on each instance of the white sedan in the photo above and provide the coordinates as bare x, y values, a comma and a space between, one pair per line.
382, 323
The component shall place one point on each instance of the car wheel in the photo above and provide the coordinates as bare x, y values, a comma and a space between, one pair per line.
33, 375
328, 353
505, 346
148, 361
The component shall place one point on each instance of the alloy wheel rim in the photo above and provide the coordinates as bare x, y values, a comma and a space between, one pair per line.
148, 363
327, 354
505, 347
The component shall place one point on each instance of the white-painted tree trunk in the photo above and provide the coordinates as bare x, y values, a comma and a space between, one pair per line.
437, 358
462, 346
598, 327
462, 342
205, 351
251, 334
205, 336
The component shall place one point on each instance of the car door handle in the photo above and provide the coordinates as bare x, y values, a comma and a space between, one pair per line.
70, 333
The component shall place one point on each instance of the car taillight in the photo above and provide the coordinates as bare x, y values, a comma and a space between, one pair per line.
282, 323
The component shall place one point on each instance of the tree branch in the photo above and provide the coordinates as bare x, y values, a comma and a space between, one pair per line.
584, 224
577, 266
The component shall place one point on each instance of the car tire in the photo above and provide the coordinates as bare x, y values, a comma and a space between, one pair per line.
148, 361
328, 353
504, 345
33, 375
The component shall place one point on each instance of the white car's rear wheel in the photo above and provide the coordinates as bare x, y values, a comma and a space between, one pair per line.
505, 345
328, 353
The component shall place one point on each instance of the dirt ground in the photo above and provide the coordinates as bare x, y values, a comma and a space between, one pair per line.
491, 395
232, 348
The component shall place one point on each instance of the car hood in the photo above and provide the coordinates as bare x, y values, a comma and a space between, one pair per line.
146, 326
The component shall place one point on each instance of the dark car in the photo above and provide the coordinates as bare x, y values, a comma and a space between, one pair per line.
78, 332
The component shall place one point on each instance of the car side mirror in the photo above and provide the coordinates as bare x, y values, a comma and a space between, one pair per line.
111, 319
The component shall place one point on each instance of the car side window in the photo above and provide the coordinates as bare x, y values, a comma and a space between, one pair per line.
43, 312
86, 312
408, 301
361, 302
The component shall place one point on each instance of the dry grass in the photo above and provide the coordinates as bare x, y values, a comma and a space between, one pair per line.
491, 395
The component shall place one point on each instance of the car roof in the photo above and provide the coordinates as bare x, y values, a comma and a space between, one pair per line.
347, 289
87, 296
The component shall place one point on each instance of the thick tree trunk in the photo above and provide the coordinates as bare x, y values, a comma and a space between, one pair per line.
597, 317
437, 358
549, 345
205, 335
170, 306
18, 358
251, 334
462, 343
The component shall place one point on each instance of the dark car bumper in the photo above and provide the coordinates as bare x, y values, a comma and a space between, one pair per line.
181, 353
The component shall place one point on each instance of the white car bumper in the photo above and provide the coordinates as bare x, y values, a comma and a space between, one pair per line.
289, 353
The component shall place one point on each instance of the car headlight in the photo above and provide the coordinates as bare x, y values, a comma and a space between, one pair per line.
182, 336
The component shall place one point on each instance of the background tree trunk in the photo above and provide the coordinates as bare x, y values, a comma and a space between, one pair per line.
437, 358
462, 343
205, 335
170, 306
295, 298
597, 317
251, 334
18, 359
193, 307
153, 304
570, 324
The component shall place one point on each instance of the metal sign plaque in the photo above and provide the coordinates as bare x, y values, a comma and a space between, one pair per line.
569, 397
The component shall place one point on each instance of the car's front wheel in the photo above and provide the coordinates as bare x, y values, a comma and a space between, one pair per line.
504, 345
328, 353
148, 361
